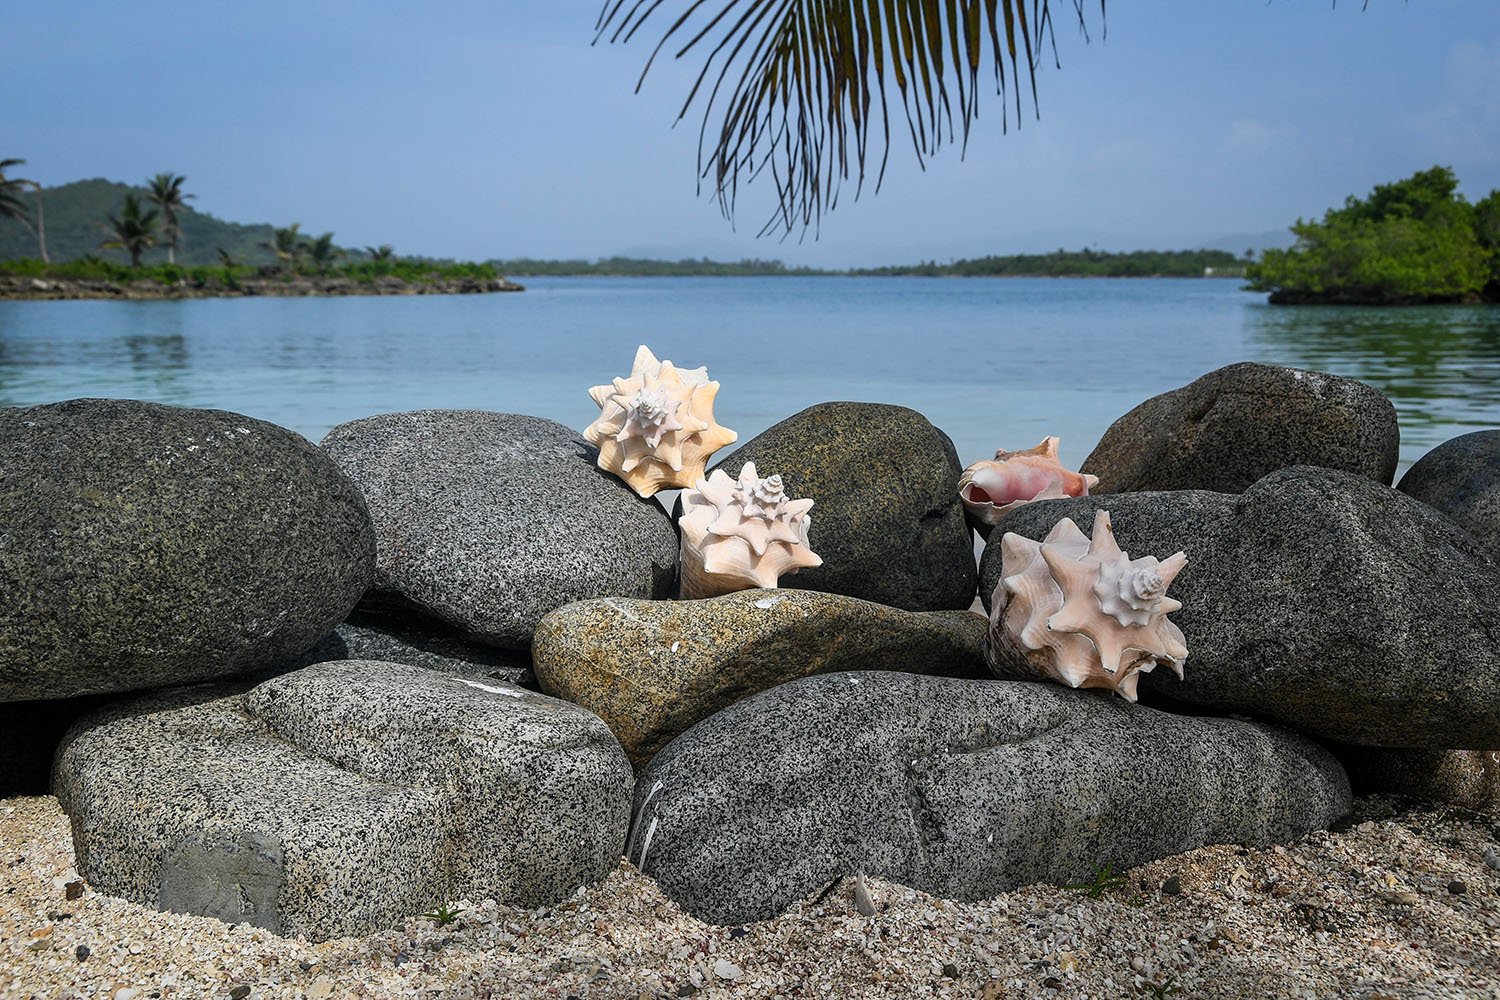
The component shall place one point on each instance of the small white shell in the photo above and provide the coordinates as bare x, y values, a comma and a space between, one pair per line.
1079, 610
739, 535
995, 487
656, 428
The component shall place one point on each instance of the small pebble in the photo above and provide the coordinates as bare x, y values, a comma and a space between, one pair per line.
73, 890
239, 993
1457, 888
1492, 858
728, 970
82, 953
950, 970
1172, 886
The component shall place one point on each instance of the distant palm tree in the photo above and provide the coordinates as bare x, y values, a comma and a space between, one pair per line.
287, 244
383, 252
226, 259
801, 86
11, 206
165, 192
132, 231
321, 252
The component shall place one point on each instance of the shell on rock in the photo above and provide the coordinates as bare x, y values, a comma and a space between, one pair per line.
1080, 611
995, 487
737, 535
656, 428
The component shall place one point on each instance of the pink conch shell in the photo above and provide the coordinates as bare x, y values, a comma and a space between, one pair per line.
994, 488
1080, 611
656, 428
741, 534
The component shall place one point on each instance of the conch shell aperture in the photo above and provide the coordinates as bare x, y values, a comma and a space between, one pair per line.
656, 428
1080, 611
740, 534
995, 487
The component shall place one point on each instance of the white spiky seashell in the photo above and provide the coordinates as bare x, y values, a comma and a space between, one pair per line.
737, 535
995, 487
656, 428
1079, 610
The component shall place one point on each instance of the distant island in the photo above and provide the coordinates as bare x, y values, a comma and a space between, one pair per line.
1059, 264
1410, 242
101, 239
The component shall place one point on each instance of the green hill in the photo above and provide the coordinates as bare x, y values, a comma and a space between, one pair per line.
75, 215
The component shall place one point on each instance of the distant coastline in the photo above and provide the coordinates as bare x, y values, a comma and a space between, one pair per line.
291, 286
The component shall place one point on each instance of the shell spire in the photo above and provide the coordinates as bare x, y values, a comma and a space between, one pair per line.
656, 427
995, 487
1077, 609
739, 534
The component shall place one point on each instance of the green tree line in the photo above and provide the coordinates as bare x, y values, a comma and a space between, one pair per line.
1411, 241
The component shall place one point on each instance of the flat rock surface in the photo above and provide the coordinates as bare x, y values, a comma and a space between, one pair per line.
650, 669
487, 521
1320, 599
962, 788
1236, 424
1365, 912
144, 545
886, 517
1461, 478
339, 798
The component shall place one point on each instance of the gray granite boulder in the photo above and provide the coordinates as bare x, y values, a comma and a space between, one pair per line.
961, 788
1229, 428
342, 798
887, 519
650, 669
487, 521
144, 546
1318, 599
418, 642
1461, 478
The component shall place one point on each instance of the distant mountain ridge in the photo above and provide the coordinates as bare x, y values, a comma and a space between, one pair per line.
75, 216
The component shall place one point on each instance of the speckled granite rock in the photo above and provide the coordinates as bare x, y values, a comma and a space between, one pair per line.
1461, 478
418, 642
487, 521
1469, 779
650, 669
1229, 428
144, 545
1319, 599
886, 520
961, 788
340, 798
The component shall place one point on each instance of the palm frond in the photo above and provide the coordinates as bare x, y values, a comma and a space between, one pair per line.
798, 88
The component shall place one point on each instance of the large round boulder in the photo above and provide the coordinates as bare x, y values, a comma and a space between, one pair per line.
1320, 599
1461, 478
487, 521
342, 798
960, 788
650, 669
144, 545
886, 517
1229, 428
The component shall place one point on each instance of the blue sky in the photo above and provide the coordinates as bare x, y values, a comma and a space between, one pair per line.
494, 129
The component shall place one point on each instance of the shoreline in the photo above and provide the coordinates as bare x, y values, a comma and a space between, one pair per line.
14, 288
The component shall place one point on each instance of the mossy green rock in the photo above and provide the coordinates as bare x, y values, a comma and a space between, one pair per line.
651, 669
144, 545
886, 517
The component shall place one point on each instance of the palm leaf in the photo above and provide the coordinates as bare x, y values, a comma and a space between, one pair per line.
799, 87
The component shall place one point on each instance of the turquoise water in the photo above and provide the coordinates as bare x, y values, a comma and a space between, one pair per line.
995, 363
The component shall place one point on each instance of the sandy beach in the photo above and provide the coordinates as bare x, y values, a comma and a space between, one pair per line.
1401, 902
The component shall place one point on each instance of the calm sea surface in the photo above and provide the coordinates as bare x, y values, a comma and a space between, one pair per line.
995, 363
